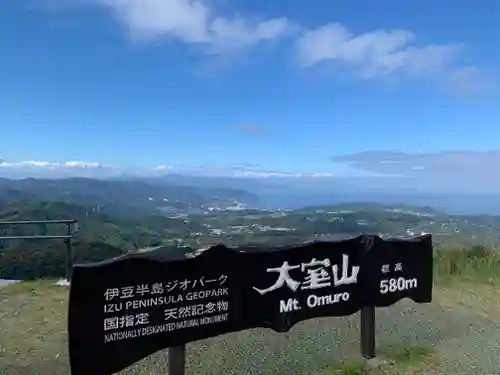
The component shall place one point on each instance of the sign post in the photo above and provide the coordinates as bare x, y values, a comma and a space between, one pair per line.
124, 309
367, 324
177, 360
368, 332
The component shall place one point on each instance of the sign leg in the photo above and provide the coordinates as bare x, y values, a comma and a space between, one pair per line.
177, 360
368, 332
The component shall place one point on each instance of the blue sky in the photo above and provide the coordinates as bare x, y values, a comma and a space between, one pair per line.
269, 85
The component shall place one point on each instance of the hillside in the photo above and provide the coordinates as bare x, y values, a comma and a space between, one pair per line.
345, 220
125, 232
124, 197
99, 237
252, 226
121, 234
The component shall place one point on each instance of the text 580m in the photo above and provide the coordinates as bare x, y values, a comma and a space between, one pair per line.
397, 285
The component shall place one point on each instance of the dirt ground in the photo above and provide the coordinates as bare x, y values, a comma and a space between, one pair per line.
462, 326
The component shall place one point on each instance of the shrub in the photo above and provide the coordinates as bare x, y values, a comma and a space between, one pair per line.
475, 264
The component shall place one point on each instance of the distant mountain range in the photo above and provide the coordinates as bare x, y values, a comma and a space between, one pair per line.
186, 192
124, 197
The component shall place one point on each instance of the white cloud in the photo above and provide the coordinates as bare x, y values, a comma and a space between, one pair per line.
49, 164
183, 19
468, 80
373, 53
269, 174
370, 54
194, 21
96, 169
162, 167
464, 170
323, 174
83, 164
242, 172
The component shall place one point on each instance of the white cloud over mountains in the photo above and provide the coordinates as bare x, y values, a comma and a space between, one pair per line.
370, 54
48, 164
403, 162
41, 169
33, 168
460, 170
446, 172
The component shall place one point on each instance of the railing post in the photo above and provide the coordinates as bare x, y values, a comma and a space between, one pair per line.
177, 360
69, 255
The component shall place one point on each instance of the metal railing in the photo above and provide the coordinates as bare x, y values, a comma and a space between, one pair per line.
72, 228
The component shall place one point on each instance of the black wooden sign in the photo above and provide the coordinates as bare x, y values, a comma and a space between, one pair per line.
127, 308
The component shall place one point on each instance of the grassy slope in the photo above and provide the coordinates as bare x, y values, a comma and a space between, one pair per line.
462, 326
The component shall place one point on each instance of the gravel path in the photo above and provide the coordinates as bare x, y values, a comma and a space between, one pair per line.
463, 324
